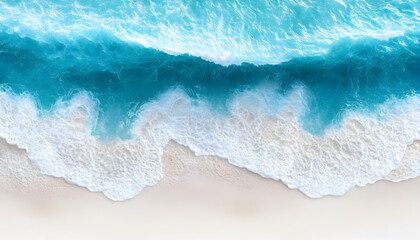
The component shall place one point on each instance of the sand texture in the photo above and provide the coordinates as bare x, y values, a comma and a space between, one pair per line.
199, 198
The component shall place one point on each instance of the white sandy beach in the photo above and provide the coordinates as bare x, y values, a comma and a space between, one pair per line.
199, 198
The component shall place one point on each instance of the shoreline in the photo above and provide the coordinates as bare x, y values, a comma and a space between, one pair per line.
201, 197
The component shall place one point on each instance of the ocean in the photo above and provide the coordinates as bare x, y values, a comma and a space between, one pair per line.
320, 95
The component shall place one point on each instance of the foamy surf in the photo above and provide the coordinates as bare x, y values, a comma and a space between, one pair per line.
363, 149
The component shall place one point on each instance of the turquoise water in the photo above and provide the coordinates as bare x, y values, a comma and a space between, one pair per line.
269, 31
348, 57
123, 76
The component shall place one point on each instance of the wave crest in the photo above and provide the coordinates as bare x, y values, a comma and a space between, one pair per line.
222, 31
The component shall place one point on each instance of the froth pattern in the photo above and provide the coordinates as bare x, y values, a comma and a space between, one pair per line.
61, 145
364, 148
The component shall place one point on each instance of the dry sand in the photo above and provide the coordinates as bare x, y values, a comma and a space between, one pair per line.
199, 198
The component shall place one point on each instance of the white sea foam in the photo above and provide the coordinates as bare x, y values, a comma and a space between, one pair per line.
409, 166
62, 146
365, 148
